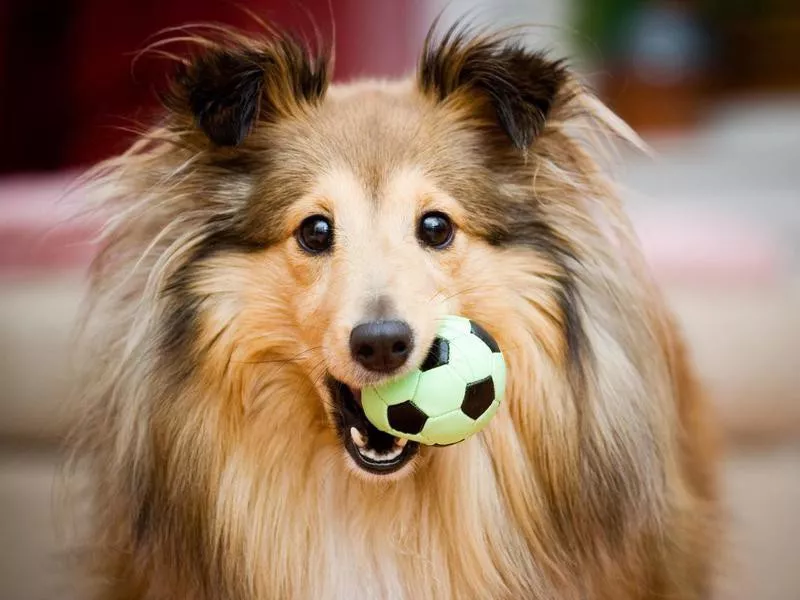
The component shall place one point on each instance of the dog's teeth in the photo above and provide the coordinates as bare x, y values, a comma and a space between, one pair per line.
400, 442
373, 455
358, 439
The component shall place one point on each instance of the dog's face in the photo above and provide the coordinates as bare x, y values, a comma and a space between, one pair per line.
363, 216
371, 265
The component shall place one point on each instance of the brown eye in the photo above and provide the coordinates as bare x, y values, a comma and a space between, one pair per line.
315, 234
435, 230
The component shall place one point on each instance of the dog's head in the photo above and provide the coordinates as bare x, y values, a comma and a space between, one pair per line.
296, 243
356, 217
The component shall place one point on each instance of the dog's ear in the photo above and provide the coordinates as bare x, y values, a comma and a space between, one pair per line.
520, 86
230, 87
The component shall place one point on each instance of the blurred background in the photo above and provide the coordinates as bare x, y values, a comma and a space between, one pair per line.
712, 85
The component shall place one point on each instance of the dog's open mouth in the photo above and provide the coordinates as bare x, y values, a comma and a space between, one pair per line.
371, 449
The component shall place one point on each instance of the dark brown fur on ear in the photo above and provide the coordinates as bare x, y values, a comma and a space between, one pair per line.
521, 85
235, 83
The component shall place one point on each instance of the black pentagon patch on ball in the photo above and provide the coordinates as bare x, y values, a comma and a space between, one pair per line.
438, 355
484, 336
406, 418
478, 397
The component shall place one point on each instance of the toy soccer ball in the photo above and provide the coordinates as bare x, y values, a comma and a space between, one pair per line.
454, 393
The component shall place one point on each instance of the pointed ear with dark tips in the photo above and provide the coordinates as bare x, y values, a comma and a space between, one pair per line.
229, 88
224, 95
521, 86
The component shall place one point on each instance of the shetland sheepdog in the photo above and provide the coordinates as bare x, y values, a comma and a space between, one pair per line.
267, 215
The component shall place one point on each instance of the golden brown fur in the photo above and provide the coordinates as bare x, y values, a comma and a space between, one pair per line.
209, 430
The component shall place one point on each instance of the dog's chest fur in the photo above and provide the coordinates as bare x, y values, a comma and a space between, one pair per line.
445, 532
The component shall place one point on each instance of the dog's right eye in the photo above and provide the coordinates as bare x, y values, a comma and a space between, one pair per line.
435, 230
315, 234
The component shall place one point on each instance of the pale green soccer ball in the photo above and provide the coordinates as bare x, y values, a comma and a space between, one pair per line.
454, 394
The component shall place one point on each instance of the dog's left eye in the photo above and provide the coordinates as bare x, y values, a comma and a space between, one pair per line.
436, 230
315, 234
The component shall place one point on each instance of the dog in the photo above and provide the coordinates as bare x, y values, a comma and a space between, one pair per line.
265, 217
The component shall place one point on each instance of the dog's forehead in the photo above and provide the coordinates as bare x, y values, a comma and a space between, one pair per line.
398, 191
375, 131
372, 145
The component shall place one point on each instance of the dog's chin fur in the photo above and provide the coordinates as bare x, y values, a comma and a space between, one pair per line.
209, 431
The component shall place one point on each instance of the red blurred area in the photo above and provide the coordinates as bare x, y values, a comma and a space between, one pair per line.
66, 82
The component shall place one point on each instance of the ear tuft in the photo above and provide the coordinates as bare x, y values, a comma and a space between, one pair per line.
229, 87
224, 94
520, 85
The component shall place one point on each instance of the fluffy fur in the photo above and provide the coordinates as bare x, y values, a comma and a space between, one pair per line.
208, 430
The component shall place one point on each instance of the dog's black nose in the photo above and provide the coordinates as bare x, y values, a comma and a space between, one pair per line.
381, 346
